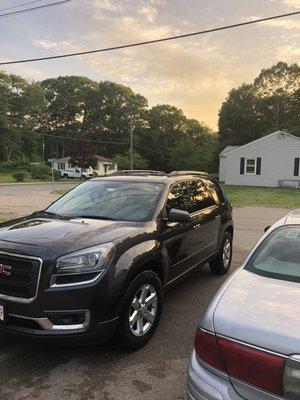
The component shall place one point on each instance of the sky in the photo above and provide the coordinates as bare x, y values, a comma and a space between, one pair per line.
194, 74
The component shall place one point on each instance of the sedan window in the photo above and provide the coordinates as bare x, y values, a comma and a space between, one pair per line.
279, 255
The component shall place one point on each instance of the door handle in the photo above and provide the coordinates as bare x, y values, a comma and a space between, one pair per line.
197, 227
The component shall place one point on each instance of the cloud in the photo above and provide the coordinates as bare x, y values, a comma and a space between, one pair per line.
148, 12
289, 53
107, 5
283, 23
47, 44
292, 3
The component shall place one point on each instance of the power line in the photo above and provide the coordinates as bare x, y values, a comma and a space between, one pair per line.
20, 5
221, 28
31, 9
96, 141
79, 139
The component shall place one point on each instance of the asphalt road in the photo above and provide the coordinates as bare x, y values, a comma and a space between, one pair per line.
156, 372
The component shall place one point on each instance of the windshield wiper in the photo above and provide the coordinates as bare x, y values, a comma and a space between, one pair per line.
95, 217
47, 212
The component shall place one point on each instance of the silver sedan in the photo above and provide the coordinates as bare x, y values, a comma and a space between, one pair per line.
247, 345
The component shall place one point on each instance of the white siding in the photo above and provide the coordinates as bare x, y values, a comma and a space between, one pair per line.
277, 153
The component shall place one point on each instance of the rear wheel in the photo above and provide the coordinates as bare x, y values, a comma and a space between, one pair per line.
221, 263
140, 310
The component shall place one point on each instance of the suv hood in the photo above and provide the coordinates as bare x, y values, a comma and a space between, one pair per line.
50, 237
261, 311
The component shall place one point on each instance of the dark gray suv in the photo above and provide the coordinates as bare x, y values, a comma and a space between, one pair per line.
97, 261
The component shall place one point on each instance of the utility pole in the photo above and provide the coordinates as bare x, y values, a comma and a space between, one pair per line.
131, 143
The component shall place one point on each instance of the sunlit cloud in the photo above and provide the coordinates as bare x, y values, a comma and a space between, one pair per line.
194, 74
148, 12
47, 44
292, 3
283, 23
289, 53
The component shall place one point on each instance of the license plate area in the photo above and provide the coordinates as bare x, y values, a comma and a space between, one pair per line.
3, 312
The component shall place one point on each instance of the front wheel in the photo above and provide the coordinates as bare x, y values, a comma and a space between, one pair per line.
221, 263
140, 310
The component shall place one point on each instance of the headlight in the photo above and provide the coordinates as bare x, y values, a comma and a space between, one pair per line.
89, 260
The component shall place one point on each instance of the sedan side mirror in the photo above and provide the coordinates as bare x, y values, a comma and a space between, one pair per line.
176, 215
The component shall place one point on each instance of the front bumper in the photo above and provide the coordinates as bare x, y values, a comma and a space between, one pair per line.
85, 310
98, 335
205, 385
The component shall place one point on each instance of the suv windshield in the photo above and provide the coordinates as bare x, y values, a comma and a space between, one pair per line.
279, 255
105, 199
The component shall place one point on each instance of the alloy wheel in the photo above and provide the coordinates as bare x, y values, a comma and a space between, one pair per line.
226, 253
143, 310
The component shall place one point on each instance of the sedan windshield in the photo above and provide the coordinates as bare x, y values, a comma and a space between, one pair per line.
112, 200
279, 255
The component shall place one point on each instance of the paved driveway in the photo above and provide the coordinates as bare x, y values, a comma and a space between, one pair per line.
156, 372
21, 199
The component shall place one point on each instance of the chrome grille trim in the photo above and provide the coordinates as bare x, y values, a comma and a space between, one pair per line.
22, 299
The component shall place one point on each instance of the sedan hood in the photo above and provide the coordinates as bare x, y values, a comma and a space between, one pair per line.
50, 237
261, 311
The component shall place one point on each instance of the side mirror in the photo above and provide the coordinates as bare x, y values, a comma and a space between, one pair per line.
176, 215
267, 228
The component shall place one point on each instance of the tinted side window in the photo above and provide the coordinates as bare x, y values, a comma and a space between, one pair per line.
179, 197
215, 191
200, 196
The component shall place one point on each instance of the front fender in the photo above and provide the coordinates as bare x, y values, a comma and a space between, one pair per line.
134, 260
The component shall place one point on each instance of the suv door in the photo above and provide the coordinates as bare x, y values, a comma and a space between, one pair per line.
190, 243
205, 213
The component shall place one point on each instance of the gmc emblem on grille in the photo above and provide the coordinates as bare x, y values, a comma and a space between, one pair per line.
5, 270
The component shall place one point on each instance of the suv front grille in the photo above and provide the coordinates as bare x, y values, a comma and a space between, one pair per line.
19, 277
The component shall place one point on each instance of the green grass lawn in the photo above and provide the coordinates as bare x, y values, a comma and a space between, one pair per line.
6, 177
257, 196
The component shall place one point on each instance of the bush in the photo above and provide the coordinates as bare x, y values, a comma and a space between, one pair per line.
41, 171
6, 166
18, 176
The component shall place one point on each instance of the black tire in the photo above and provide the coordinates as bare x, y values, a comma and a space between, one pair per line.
65, 176
127, 338
220, 265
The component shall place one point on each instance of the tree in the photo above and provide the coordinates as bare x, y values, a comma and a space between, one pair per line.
123, 161
166, 125
271, 102
21, 114
112, 111
66, 98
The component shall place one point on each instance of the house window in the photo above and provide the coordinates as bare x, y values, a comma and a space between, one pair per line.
61, 166
250, 166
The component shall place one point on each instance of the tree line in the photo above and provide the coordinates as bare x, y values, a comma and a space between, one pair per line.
79, 117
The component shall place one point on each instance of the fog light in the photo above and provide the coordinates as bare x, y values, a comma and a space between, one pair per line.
63, 319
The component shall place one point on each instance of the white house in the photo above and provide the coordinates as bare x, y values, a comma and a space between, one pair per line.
104, 165
272, 161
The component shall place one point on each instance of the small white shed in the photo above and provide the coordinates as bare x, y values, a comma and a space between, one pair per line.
271, 161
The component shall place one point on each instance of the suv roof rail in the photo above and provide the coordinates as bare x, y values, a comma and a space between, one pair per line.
138, 172
178, 173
